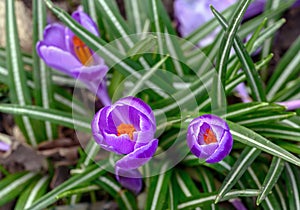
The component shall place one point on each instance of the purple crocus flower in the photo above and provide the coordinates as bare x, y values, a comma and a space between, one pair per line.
4, 146
127, 127
61, 49
209, 138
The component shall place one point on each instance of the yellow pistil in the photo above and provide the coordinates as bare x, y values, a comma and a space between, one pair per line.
82, 52
209, 137
126, 129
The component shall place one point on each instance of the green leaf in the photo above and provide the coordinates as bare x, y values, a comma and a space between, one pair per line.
244, 161
241, 109
13, 185
136, 14
264, 118
138, 85
91, 173
252, 76
33, 192
51, 115
186, 185
173, 194
279, 132
287, 68
167, 44
292, 187
43, 90
19, 91
209, 198
271, 179
250, 138
116, 22
80, 190
142, 46
158, 189
228, 38
125, 199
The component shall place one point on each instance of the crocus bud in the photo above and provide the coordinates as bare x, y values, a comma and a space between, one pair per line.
209, 138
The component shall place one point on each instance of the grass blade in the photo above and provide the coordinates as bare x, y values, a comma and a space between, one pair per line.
33, 192
292, 187
271, 179
125, 199
158, 189
91, 173
228, 38
248, 66
54, 116
42, 74
244, 161
209, 198
250, 138
12, 185
135, 14
287, 68
19, 92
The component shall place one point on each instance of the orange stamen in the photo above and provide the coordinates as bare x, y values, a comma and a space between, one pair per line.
209, 137
82, 52
126, 129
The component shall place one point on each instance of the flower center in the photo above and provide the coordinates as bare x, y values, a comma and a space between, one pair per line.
82, 52
209, 137
126, 129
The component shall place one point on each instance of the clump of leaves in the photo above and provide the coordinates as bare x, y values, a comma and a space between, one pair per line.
180, 81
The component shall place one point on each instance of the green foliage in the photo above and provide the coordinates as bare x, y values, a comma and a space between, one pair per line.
179, 81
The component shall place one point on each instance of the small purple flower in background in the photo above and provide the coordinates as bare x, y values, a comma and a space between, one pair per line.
209, 138
290, 105
61, 49
4, 146
127, 127
191, 14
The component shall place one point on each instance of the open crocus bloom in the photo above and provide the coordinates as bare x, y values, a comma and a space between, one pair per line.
209, 138
61, 49
127, 127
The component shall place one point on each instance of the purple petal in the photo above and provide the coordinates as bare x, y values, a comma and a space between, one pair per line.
243, 93
57, 58
4, 146
90, 73
255, 8
121, 144
106, 136
214, 120
96, 131
290, 105
130, 179
85, 21
54, 35
204, 151
139, 156
139, 105
223, 150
